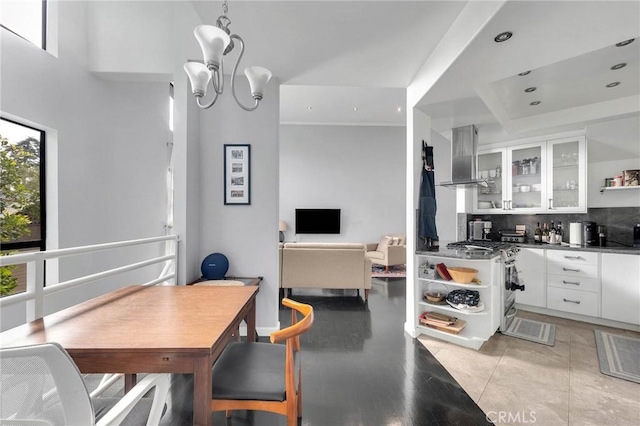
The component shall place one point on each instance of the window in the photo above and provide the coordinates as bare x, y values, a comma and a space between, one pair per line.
26, 18
22, 197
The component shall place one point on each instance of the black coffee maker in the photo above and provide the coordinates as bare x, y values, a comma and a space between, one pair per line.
589, 234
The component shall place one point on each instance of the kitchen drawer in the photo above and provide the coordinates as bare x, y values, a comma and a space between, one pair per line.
570, 257
574, 301
574, 270
574, 283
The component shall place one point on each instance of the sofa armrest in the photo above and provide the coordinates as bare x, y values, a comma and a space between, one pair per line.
396, 255
371, 246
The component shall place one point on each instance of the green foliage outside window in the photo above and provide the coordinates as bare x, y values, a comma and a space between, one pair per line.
19, 197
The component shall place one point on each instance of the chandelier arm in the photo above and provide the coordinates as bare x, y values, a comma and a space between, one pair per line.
217, 78
210, 104
233, 76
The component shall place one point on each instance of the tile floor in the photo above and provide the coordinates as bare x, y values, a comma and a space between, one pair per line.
517, 382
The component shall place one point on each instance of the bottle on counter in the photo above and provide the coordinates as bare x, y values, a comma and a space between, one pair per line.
559, 233
537, 234
552, 234
545, 233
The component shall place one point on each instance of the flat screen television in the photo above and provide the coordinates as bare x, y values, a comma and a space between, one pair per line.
317, 221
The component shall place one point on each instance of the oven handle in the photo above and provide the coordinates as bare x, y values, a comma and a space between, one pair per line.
511, 315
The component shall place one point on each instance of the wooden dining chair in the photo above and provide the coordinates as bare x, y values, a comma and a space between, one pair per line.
263, 376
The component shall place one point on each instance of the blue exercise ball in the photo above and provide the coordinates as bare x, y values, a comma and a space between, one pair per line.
214, 266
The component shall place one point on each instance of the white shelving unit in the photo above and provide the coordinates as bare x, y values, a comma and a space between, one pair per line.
617, 188
480, 325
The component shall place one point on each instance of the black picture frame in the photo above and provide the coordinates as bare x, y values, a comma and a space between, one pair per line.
237, 174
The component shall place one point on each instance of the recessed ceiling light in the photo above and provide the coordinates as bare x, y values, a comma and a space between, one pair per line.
522, 74
309, 108
399, 109
530, 89
618, 66
355, 108
614, 84
624, 43
503, 36
534, 103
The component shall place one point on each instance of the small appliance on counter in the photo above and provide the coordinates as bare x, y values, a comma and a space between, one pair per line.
589, 234
513, 237
602, 236
479, 230
575, 233
636, 235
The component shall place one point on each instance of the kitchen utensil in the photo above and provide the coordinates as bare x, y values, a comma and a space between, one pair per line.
462, 275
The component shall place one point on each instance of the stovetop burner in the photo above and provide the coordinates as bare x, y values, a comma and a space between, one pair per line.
480, 247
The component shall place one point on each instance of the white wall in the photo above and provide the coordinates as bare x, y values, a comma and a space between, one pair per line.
109, 140
246, 234
613, 146
358, 169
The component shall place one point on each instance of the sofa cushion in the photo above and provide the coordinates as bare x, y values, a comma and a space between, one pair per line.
384, 243
375, 255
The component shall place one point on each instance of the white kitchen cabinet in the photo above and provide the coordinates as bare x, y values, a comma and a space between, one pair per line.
543, 176
621, 287
566, 175
573, 283
531, 271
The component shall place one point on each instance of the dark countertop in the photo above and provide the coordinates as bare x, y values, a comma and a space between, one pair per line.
458, 254
608, 249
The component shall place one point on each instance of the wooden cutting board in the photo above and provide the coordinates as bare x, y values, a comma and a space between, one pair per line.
454, 328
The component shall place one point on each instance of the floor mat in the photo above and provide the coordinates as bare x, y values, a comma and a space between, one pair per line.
618, 355
535, 331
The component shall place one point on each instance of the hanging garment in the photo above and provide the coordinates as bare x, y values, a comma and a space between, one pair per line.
427, 202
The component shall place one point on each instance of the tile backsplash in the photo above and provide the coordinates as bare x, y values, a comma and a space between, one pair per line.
618, 220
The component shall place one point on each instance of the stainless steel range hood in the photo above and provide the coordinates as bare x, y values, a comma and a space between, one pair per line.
464, 153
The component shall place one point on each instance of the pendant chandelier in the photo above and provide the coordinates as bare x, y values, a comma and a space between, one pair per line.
215, 42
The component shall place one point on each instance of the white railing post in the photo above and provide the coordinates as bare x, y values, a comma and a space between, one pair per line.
35, 286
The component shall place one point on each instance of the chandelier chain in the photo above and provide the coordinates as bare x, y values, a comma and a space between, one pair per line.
225, 8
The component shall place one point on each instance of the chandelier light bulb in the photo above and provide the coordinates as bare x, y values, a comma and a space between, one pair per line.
213, 41
258, 78
199, 77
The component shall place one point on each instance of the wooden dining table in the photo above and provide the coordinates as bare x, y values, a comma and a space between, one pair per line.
148, 329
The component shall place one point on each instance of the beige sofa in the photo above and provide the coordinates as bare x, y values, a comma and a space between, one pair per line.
391, 250
325, 265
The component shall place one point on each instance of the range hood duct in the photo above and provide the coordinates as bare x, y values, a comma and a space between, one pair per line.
464, 156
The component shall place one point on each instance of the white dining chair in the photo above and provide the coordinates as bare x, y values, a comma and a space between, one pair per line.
41, 385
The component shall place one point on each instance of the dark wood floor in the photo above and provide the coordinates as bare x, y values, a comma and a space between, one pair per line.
359, 368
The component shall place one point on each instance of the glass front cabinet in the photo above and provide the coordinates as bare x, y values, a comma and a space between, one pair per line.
567, 175
539, 177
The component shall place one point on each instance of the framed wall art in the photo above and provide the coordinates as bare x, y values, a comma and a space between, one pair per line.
237, 174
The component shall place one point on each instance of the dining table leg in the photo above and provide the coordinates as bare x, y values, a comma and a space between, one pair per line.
130, 381
202, 391
250, 319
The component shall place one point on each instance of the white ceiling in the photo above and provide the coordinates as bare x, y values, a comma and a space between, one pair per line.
334, 56
569, 48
